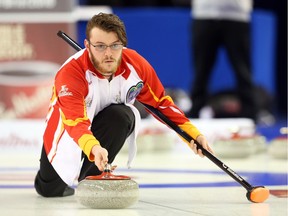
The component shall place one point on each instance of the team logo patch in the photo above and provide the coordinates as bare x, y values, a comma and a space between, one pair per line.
134, 91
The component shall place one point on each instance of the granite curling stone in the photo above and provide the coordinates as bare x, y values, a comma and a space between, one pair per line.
107, 191
234, 147
279, 145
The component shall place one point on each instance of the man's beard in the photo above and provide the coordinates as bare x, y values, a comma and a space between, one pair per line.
101, 69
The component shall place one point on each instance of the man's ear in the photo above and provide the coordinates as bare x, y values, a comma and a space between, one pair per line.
86, 43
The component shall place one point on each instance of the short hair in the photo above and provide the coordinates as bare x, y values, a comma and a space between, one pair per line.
108, 23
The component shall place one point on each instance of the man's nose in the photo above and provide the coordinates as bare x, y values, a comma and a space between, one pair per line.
108, 51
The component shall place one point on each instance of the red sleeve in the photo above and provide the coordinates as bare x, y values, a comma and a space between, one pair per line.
71, 89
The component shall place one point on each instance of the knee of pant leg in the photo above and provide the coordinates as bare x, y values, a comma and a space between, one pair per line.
123, 117
122, 113
114, 117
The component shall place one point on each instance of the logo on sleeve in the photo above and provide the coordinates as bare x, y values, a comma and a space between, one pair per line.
64, 91
134, 91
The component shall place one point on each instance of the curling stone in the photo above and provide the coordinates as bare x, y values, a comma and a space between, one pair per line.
260, 143
107, 191
279, 146
236, 146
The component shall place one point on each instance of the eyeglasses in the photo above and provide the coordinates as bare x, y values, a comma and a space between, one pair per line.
103, 47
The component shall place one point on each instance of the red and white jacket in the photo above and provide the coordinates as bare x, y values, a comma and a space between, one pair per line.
80, 92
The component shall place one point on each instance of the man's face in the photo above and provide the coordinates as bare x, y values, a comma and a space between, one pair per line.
105, 59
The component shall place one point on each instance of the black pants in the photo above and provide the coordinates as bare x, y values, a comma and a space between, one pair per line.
208, 37
111, 127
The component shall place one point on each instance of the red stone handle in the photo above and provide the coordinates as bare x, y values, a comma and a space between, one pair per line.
108, 176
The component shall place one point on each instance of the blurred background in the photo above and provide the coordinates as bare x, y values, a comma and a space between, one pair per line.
31, 53
158, 30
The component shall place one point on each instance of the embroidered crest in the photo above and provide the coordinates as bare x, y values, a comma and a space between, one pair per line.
118, 97
134, 91
88, 102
